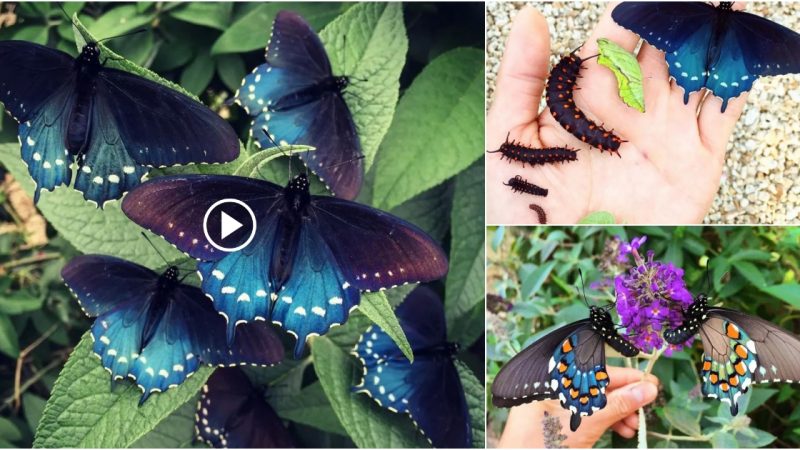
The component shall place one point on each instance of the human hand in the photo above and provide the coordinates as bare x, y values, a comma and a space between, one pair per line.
670, 166
626, 394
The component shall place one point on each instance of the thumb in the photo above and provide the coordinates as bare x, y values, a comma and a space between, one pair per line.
522, 74
623, 402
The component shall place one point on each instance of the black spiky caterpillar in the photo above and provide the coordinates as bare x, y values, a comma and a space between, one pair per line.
518, 184
560, 85
516, 151
539, 212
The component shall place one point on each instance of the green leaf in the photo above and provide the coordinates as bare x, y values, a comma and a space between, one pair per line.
19, 302
375, 306
309, 406
753, 438
465, 280
210, 14
724, 439
448, 91
118, 21
368, 43
533, 282
789, 293
474, 392
684, 420
9, 430
32, 407
176, 431
367, 424
251, 166
84, 412
626, 68
751, 273
86, 227
32, 33
430, 211
251, 31
231, 70
598, 218
9, 343
198, 73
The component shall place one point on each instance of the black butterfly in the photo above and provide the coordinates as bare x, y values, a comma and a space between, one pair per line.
568, 364
296, 98
156, 330
738, 350
310, 256
113, 123
710, 47
429, 390
232, 413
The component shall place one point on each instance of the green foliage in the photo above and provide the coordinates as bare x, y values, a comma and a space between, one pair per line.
626, 69
752, 269
204, 50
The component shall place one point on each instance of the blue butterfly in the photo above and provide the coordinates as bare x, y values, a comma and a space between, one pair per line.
114, 124
429, 389
310, 256
232, 413
715, 48
155, 329
295, 98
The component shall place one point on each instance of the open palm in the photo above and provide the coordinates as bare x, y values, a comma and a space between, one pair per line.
668, 170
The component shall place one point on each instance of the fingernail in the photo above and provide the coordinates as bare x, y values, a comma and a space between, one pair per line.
643, 392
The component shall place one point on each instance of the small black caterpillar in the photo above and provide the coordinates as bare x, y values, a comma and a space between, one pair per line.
539, 212
560, 85
518, 184
515, 151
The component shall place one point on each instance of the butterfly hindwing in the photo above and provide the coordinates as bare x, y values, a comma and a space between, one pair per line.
429, 389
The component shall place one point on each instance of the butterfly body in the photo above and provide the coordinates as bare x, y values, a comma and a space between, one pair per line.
114, 124
154, 329
310, 256
567, 364
295, 98
738, 350
716, 48
429, 390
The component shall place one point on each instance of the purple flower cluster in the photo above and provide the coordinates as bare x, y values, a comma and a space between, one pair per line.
651, 295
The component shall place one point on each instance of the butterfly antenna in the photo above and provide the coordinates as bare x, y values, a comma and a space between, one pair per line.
66, 14
708, 278
147, 238
275, 144
583, 287
131, 33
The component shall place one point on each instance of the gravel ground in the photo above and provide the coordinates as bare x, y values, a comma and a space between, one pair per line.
758, 182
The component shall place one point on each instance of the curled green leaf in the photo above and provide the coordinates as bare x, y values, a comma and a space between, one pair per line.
626, 68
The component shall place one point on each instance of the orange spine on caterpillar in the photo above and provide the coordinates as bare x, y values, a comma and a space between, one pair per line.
516, 151
518, 184
560, 86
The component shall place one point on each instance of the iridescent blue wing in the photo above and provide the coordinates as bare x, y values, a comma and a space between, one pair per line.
739, 350
37, 87
106, 169
30, 75
724, 51
282, 97
174, 207
160, 126
429, 390
231, 413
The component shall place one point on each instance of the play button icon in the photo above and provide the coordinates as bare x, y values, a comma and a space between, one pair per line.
229, 225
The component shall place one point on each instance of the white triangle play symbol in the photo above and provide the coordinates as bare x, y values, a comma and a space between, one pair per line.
229, 225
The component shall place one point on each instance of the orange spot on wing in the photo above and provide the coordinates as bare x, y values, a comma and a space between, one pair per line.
562, 367
713, 378
584, 400
594, 391
601, 375
740, 367
734, 380
574, 393
566, 347
740, 351
724, 386
732, 331
706, 365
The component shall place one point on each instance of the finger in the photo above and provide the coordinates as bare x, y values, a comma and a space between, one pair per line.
623, 376
715, 126
653, 64
623, 430
522, 74
632, 421
607, 28
624, 402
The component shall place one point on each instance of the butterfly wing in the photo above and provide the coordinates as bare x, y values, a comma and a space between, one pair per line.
231, 414
30, 75
568, 364
376, 250
297, 61
174, 207
682, 30
740, 349
430, 389
160, 126
37, 86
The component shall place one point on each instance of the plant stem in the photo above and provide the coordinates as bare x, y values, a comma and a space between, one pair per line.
29, 260
669, 437
21, 360
652, 362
